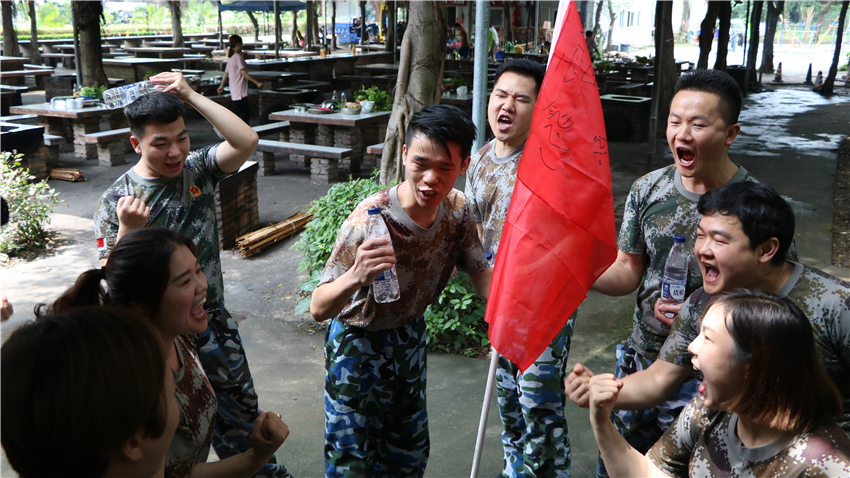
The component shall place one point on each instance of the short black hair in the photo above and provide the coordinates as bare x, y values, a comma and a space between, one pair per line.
458, 25
443, 124
760, 209
524, 67
588, 33
156, 107
718, 83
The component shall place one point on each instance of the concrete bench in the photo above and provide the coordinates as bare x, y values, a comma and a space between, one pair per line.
236, 204
53, 140
323, 160
53, 59
20, 119
188, 72
111, 146
14, 76
375, 149
281, 128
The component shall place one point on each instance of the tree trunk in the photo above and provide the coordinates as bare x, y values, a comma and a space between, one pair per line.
725, 14
419, 81
829, 83
255, 24
596, 26
509, 33
35, 57
774, 9
10, 38
333, 25
315, 24
821, 17
682, 37
390, 40
613, 16
176, 25
582, 14
706, 33
91, 57
363, 23
758, 5
308, 35
278, 28
293, 37
665, 70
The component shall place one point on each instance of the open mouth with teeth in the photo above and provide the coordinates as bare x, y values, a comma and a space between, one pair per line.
710, 273
197, 311
504, 122
685, 156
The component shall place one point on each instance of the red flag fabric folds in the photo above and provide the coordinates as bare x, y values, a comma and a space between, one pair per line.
559, 235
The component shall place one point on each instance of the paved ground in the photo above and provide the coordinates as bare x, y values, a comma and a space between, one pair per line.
789, 140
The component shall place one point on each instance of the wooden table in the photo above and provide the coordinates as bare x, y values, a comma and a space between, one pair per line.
133, 69
337, 130
12, 62
278, 79
158, 52
85, 120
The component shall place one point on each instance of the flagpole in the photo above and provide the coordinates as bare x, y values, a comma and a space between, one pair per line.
485, 412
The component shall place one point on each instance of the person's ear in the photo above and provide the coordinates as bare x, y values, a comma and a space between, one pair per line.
464, 165
732, 133
767, 250
137, 147
131, 450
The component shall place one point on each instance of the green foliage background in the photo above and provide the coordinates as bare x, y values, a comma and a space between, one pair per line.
455, 322
30, 202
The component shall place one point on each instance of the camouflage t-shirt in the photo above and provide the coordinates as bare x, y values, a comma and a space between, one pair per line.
823, 298
704, 444
198, 405
425, 257
185, 204
658, 208
489, 185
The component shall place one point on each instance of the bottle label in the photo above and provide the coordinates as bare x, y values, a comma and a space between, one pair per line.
385, 275
675, 292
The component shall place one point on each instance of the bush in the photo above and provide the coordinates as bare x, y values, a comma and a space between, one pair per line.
29, 205
455, 322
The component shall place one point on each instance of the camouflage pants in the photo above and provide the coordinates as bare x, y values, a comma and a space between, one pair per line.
535, 437
224, 361
376, 423
642, 428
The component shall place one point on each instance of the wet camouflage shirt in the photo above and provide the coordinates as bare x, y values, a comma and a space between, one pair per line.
185, 204
659, 207
196, 398
823, 298
425, 257
489, 186
703, 444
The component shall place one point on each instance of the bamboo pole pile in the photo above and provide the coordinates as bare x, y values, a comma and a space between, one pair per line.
253, 242
73, 175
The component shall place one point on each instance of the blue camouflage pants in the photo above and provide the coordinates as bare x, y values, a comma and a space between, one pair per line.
642, 428
535, 437
376, 423
223, 358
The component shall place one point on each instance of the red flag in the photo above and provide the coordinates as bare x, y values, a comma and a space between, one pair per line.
559, 236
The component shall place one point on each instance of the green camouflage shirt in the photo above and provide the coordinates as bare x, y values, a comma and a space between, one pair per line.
185, 204
823, 298
425, 257
703, 444
658, 208
489, 186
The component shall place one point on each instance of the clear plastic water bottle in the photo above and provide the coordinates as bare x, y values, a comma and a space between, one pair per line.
675, 274
491, 259
342, 97
385, 288
123, 95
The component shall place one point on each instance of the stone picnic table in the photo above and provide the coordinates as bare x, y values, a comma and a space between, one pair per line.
12, 62
133, 69
158, 52
84, 120
278, 79
337, 130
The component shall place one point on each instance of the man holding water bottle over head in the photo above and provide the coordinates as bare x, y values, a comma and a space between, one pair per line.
174, 187
702, 124
375, 418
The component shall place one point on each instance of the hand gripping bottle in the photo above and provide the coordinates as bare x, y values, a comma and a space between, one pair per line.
385, 288
123, 95
675, 274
